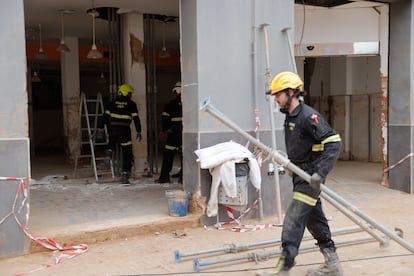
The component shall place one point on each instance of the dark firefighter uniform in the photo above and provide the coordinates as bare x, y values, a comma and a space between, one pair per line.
118, 116
172, 126
313, 146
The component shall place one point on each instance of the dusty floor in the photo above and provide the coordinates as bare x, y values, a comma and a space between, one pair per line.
153, 254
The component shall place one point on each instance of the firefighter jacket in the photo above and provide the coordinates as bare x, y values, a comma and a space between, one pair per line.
172, 116
120, 112
310, 140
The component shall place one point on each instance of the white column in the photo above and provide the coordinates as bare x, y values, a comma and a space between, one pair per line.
133, 41
70, 96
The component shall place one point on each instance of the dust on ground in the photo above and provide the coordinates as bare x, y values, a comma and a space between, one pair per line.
153, 254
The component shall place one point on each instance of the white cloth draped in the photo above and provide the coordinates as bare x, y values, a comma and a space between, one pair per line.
220, 159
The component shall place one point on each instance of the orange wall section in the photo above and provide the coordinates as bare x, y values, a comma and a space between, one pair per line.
51, 53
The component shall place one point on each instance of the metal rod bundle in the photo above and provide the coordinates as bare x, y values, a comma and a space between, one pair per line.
235, 248
263, 254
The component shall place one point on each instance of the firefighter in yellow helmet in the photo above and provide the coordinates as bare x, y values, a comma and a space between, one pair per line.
118, 117
314, 146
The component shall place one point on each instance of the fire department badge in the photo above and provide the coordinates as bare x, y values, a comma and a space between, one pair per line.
315, 118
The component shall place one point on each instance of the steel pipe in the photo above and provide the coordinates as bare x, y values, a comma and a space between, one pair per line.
285, 162
384, 241
270, 101
263, 254
235, 248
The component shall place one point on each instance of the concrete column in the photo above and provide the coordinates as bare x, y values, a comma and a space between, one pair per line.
401, 95
133, 42
223, 57
14, 141
70, 97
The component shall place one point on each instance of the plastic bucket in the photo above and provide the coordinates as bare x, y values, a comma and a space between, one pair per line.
177, 202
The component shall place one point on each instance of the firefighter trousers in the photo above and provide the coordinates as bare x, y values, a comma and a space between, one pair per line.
122, 135
304, 211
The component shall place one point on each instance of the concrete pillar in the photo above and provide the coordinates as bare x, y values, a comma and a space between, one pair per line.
133, 42
401, 95
14, 141
70, 97
223, 57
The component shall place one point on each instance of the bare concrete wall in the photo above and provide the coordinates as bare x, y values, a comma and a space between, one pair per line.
401, 95
14, 143
347, 91
223, 58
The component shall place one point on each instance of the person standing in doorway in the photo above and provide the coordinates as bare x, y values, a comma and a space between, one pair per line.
172, 127
314, 146
118, 116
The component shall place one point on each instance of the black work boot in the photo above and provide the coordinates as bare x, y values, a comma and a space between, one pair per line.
163, 180
125, 177
280, 269
332, 265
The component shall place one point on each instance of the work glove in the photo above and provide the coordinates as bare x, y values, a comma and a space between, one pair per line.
139, 137
315, 181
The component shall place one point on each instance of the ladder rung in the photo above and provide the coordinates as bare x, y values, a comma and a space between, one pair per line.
102, 158
104, 172
101, 144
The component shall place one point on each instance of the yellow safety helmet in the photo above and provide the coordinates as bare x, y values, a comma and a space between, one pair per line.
125, 89
285, 80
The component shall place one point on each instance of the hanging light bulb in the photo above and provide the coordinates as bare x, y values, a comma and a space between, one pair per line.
62, 46
102, 79
94, 53
164, 53
41, 54
35, 77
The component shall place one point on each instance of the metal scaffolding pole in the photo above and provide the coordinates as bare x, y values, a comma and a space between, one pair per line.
234, 248
272, 122
264, 254
281, 159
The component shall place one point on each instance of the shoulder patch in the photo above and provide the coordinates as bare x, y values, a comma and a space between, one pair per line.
315, 118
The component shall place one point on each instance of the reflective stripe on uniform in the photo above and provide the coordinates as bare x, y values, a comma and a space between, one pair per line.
165, 114
126, 144
320, 147
168, 147
176, 119
118, 116
304, 198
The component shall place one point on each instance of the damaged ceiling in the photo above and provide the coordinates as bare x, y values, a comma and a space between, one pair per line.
328, 3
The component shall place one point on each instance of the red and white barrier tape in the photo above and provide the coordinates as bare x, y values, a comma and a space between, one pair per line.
408, 156
240, 228
67, 252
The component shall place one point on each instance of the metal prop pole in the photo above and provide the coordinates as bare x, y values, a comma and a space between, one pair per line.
291, 49
234, 248
272, 121
285, 162
263, 254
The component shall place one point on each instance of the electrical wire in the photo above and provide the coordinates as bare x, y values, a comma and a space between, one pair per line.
259, 268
